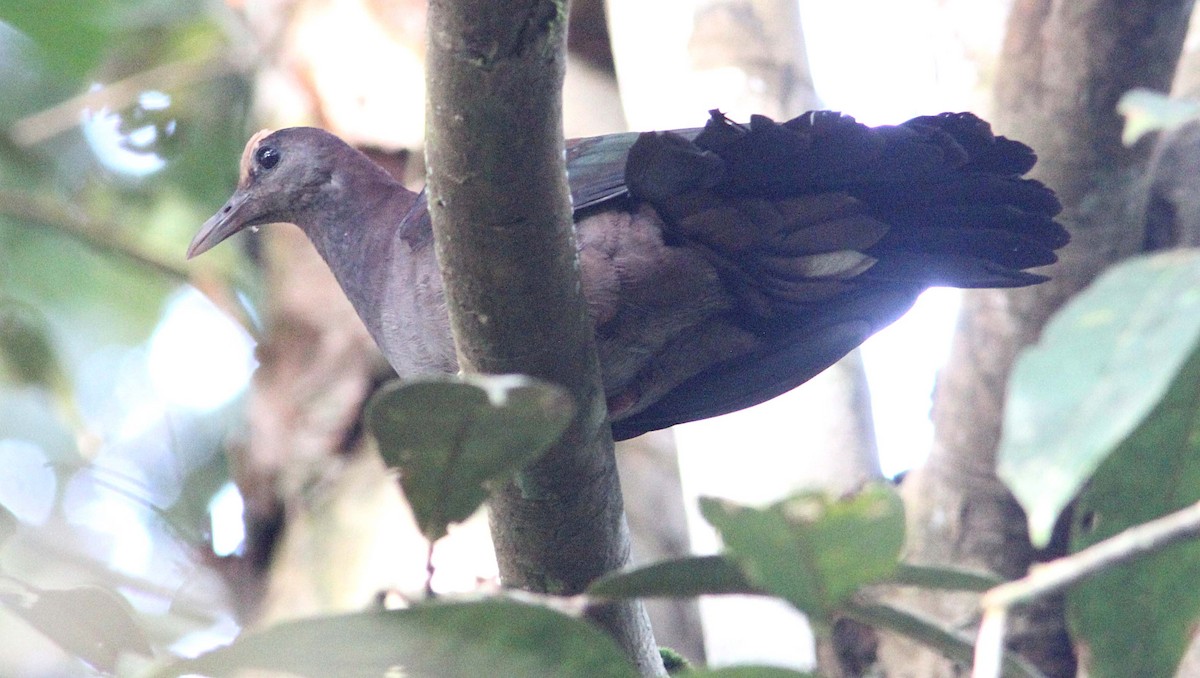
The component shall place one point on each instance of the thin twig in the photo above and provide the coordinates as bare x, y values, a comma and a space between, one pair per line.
103, 237
989, 643
1123, 547
49, 123
1056, 575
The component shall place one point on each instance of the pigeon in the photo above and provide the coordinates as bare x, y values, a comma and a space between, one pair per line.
722, 266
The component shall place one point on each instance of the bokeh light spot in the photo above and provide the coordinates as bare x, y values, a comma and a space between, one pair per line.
199, 359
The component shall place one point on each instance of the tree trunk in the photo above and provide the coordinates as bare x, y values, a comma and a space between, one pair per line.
1065, 64
505, 239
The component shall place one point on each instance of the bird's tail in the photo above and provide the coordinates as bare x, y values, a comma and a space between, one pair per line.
822, 201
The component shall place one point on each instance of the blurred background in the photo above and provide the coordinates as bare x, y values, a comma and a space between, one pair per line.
180, 453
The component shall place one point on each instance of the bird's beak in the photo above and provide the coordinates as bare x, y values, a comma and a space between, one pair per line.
229, 220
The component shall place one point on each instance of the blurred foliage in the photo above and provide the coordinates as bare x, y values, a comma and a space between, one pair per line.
1103, 364
1105, 411
437, 639
811, 550
821, 554
119, 123
91, 623
1146, 111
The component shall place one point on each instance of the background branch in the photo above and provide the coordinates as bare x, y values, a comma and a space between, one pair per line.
55, 214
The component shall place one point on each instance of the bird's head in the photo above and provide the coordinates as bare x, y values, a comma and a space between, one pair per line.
285, 175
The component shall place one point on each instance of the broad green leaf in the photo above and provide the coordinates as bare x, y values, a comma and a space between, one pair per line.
1154, 472
951, 644
679, 578
91, 623
946, 578
1103, 363
813, 550
449, 437
440, 640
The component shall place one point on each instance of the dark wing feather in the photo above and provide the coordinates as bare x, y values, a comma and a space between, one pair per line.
824, 231
596, 169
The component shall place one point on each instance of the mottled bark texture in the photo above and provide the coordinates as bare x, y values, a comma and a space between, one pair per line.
1064, 65
502, 223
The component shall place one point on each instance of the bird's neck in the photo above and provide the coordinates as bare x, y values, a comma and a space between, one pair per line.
356, 236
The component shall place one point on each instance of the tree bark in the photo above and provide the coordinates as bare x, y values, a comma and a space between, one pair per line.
1064, 65
505, 240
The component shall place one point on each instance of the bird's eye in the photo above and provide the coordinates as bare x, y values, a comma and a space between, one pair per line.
267, 156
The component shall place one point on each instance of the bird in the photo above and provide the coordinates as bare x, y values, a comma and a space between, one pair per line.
722, 266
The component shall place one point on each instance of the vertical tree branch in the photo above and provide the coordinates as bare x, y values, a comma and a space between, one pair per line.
505, 241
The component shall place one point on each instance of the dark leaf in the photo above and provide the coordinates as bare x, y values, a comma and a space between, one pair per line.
449, 437
91, 623
1154, 472
684, 577
440, 640
27, 355
812, 550
947, 578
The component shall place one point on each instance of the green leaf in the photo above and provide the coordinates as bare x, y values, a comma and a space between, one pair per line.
75, 37
945, 578
94, 624
441, 640
27, 354
679, 578
1088, 383
952, 645
72, 35
1154, 472
1146, 110
812, 550
91, 299
449, 437
749, 672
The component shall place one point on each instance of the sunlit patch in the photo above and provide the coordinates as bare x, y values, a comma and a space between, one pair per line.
109, 502
902, 363
225, 511
222, 632
27, 485
126, 142
199, 359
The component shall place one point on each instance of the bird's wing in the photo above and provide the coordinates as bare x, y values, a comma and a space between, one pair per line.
596, 168
823, 231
